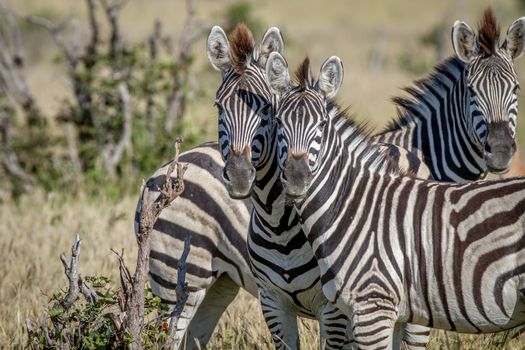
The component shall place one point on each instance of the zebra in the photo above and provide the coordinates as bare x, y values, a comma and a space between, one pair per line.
393, 248
218, 228
456, 120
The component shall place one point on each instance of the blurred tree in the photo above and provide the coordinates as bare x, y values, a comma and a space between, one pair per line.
128, 101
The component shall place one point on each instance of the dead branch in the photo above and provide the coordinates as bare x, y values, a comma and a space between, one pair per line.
113, 153
181, 290
151, 116
10, 159
12, 76
70, 270
191, 32
87, 292
150, 212
56, 30
125, 280
112, 12
91, 49
71, 139
170, 191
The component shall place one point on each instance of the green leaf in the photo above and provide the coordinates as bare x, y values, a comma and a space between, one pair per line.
54, 312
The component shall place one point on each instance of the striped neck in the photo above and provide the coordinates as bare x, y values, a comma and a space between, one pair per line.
347, 154
435, 122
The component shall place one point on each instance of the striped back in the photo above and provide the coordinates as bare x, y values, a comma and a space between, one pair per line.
462, 119
243, 101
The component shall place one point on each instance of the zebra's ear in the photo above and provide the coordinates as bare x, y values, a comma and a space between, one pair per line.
272, 41
515, 39
464, 41
331, 77
219, 49
277, 73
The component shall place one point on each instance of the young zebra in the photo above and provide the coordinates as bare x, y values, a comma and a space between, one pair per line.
391, 248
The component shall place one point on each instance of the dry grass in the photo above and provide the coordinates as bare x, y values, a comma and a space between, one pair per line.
35, 231
32, 236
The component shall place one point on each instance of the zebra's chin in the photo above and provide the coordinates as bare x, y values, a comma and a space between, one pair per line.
294, 193
236, 193
499, 164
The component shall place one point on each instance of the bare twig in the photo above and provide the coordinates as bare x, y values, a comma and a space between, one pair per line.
70, 270
113, 153
181, 289
154, 41
91, 49
134, 318
176, 100
12, 77
87, 292
112, 12
56, 30
125, 279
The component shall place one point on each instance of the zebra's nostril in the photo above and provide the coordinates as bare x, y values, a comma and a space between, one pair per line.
225, 175
488, 149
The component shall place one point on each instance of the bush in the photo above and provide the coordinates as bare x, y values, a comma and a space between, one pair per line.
87, 325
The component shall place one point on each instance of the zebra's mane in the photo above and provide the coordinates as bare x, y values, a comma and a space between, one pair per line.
242, 46
408, 108
488, 32
357, 137
303, 75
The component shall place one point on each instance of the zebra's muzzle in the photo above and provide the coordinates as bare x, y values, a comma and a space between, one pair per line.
499, 148
239, 174
296, 176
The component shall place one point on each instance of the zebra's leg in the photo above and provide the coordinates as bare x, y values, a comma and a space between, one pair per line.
415, 337
373, 325
332, 326
217, 299
281, 319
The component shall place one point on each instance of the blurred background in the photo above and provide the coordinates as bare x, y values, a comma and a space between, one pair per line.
100, 89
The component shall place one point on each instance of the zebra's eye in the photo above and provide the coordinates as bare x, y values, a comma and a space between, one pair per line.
219, 108
321, 125
516, 88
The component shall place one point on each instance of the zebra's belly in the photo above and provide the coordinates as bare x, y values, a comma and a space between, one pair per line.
489, 311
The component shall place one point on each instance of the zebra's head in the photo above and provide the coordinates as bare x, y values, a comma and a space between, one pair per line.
491, 86
243, 101
301, 116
